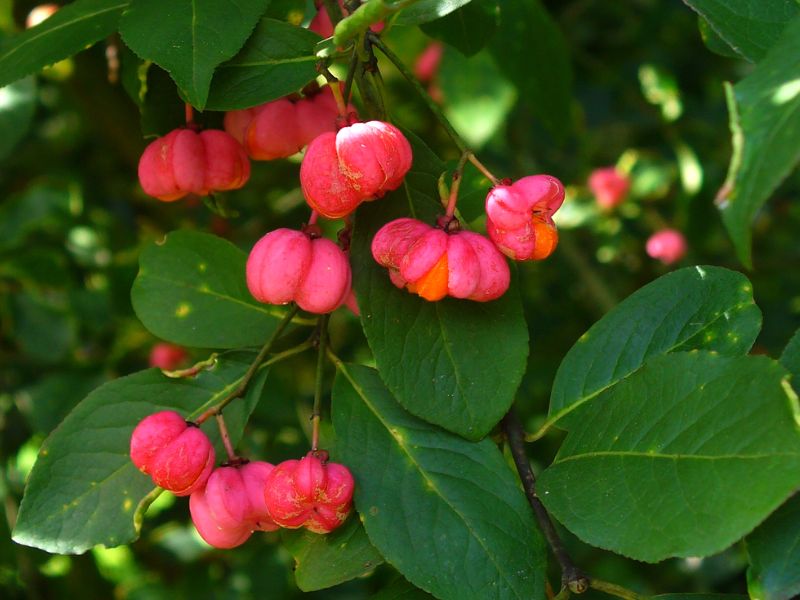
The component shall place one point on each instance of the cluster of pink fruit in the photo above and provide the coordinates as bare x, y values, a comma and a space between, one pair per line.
610, 187
228, 503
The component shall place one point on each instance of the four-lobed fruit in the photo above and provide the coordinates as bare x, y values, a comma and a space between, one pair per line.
610, 186
358, 163
519, 217
186, 162
310, 492
287, 265
667, 245
177, 455
433, 263
231, 506
283, 127
166, 356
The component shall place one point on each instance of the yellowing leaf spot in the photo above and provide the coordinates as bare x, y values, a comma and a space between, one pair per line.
127, 505
184, 308
373, 510
202, 267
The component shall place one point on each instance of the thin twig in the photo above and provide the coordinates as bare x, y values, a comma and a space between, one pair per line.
571, 576
316, 411
613, 589
251, 371
226, 439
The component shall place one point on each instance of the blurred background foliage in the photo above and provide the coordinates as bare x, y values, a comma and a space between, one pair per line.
648, 98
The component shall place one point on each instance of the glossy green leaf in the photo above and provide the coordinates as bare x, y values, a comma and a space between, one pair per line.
479, 97
191, 290
694, 308
428, 10
790, 358
713, 41
277, 60
774, 553
73, 28
656, 465
322, 561
447, 513
84, 490
17, 106
400, 589
469, 28
455, 363
190, 38
765, 123
531, 51
748, 26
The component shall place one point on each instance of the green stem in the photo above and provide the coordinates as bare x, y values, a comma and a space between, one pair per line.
316, 412
614, 589
434, 108
252, 370
457, 174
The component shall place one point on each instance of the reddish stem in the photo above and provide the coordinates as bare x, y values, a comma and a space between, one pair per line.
189, 112
226, 439
480, 166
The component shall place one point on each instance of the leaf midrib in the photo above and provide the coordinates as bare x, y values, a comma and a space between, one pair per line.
660, 455
359, 390
584, 399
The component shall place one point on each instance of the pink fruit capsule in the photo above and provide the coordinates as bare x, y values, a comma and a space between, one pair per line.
433, 263
231, 505
427, 65
358, 163
177, 456
287, 265
520, 217
185, 162
609, 186
167, 356
309, 493
667, 245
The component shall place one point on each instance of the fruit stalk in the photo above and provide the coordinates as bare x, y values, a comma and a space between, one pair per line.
251, 371
322, 342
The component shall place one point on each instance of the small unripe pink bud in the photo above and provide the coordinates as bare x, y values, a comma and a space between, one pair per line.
609, 186
167, 356
177, 456
668, 246
433, 263
520, 216
427, 65
231, 505
287, 265
309, 493
358, 163
185, 162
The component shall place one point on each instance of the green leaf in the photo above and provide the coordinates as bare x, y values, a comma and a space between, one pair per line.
790, 358
400, 589
17, 107
774, 553
46, 402
428, 10
532, 52
455, 363
698, 597
84, 490
447, 513
748, 26
478, 97
655, 467
765, 123
713, 41
190, 38
469, 28
191, 290
73, 28
277, 60
322, 561
694, 308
